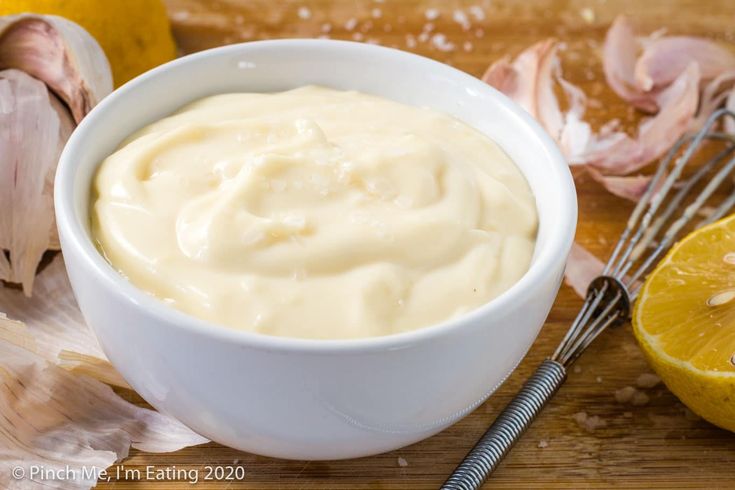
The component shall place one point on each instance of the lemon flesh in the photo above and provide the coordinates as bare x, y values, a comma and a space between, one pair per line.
684, 320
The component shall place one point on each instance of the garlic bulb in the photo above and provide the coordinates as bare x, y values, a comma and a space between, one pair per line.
56, 412
52, 72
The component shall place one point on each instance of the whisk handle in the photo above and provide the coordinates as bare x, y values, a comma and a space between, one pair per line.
507, 428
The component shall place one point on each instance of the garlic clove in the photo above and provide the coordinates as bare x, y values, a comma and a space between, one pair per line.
54, 73
59, 53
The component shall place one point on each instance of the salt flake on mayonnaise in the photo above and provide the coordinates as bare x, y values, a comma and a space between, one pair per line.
315, 213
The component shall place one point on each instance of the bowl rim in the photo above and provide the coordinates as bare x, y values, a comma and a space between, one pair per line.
65, 189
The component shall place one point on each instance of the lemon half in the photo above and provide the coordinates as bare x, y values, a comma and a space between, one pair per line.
684, 320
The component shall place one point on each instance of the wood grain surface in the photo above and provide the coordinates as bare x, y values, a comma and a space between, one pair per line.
656, 445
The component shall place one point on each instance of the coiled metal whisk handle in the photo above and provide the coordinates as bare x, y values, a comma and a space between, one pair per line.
508, 427
607, 303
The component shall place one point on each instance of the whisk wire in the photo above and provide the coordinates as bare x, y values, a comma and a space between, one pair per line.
667, 207
646, 210
676, 227
650, 231
583, 317
676, 201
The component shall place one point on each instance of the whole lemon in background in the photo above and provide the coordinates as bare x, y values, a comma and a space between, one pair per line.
684, 320
135, 34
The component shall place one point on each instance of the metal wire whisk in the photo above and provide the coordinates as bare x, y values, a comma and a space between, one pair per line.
668, 205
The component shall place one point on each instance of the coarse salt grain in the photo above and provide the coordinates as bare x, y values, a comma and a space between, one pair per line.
467, 46
350, 24
431, 14
377, 13
588, 423
580, 417
631, 395
542, 444
587, 14
326, 27
461, 18
402, 462
410, 41
624, 395
477, 12
593, 423
304, 13
647, 380
440, 42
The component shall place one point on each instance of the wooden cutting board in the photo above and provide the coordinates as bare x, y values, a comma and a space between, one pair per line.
657, 445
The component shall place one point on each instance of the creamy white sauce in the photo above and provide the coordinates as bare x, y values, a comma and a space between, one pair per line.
314, 213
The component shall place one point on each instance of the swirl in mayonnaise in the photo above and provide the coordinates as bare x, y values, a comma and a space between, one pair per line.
314, 213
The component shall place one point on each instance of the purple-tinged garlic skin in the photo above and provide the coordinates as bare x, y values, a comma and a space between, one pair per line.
66, 127
59, 421
30, 132
59, 53
52, 72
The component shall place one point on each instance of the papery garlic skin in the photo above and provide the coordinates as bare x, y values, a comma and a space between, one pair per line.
30, 136
52, 72
54, 419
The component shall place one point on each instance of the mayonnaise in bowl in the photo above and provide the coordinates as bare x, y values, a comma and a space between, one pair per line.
314, 213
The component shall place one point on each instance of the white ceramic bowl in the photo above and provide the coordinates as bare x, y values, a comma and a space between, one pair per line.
312, 399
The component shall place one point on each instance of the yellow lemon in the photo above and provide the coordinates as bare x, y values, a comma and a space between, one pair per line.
685, 321
135, 34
